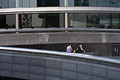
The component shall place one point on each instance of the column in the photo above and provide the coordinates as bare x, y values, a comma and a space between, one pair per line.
66, 20
17, 21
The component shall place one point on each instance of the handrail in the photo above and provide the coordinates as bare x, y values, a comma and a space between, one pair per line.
83, 56
59, 30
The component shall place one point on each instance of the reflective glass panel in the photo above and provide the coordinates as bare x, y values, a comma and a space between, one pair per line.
93, 21
115, 21
40, 3
0, 3
2, 21
11, 3
19, 3
70, 2
10, 21
106, 3
26, 3
105, 21
71, 20
77, 20
4, 3
85, 2
38, 20
92, 2
61, 3
99, 2
33, 3
7, 21
112, 3
55, 2
42, 20
80, 20
118, 3
78, 2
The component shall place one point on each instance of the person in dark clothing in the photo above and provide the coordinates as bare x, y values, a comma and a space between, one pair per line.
80, 49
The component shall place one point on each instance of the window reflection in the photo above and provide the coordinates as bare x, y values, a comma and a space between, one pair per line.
26, 3
19, 3
0, 3
42, 20
101, 20
11, 3
106, 3
4, 3
7, 21
33, 3
112, 3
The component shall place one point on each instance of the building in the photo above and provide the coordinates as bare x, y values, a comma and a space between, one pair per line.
19, 14
34, 14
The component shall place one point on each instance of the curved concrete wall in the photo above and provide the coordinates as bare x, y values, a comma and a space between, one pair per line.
50, 65
58, 37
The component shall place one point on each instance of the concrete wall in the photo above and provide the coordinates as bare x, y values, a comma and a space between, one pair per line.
36, 66
58, 37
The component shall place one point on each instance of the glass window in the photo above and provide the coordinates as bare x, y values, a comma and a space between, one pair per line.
106, 3
48, 2
33, 3
112, 3
40, 3
19, 3
7, 21
61, 2
42, 20
85, 2
80, 20
70, 20
105, 21
2, 21
115, 21
0, 3
66, 2
70, 2
78, 2
38, 20
11, 3
26, 3
118, 3
93, 20
4, 3
99, 2
10, 21
92, 2
77, 20
55, 2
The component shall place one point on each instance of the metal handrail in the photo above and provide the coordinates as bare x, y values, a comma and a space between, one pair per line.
83, 56
59, 30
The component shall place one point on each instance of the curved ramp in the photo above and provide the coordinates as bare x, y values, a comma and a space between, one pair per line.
33, 64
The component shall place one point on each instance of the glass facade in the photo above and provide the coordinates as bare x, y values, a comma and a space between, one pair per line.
57, 3
7, 21
57, 20
42, 20
98, 20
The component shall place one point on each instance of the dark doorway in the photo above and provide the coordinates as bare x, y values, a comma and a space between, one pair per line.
115, 49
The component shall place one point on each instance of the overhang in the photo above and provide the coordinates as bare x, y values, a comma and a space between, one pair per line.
61, 10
